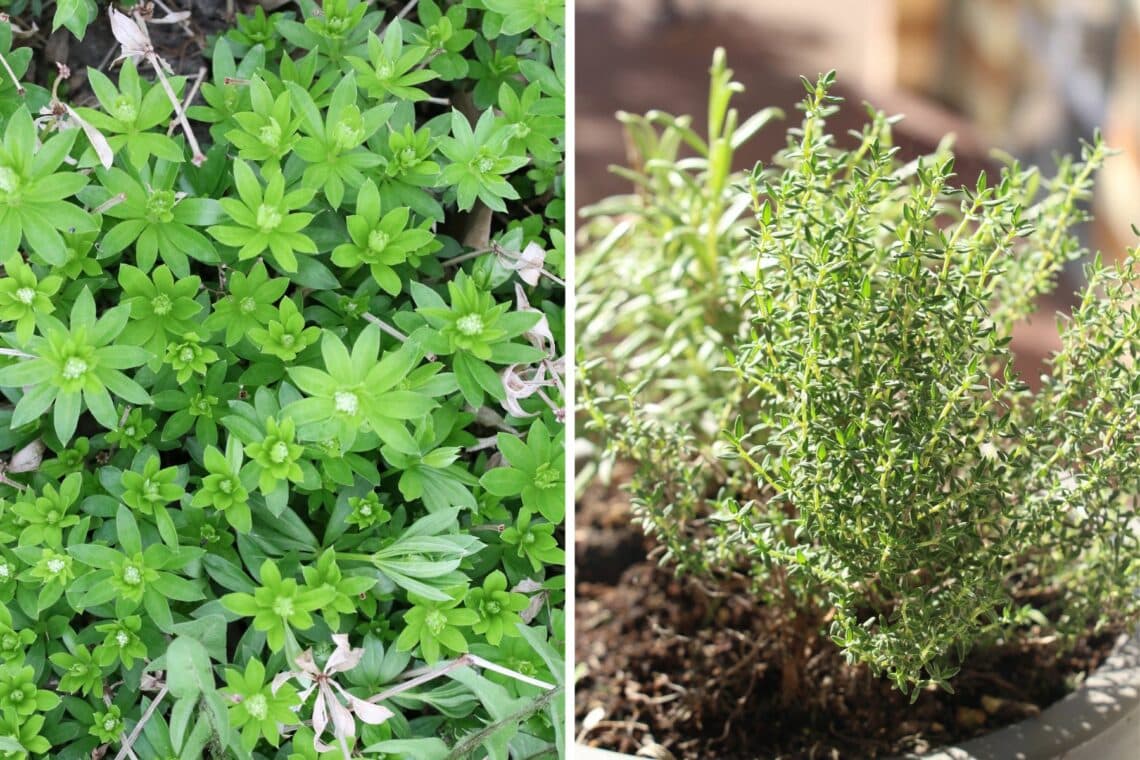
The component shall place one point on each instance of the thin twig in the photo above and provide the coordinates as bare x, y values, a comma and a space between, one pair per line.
16, 353
20, 32
387, 328
198, 158
554, 375
15, 80
184, 23
513, 674
12, 483
192, 93
106, 59
131, 754
556, 408
130, 740
159, 66
407, 8
483, 443
464, 257
111, 202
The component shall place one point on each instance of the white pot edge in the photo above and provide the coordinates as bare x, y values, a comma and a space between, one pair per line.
1098, 721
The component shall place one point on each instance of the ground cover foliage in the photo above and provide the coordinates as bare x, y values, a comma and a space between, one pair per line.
281, 359
809, 365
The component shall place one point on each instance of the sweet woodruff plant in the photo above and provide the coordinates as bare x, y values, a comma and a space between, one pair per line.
282, 419
809, 365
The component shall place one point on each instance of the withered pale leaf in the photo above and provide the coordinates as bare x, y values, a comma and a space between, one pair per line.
133, 39
95, 137
530, 263
368, 712
27, 459
344, 657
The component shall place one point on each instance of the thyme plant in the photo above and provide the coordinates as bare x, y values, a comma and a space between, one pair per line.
281, 432
809, 364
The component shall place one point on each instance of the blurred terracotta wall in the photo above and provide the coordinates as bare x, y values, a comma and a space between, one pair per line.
1026, 76
1030, 77
1035, 76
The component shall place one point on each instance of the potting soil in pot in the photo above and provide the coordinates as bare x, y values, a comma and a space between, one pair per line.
669, 663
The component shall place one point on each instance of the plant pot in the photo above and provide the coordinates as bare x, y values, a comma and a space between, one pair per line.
1098, 721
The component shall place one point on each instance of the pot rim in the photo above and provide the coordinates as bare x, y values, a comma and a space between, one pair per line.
1109, 695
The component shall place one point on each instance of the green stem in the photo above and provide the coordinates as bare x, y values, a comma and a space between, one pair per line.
468, 745
953, 241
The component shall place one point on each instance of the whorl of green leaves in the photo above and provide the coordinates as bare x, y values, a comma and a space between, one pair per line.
281, 389
809, 364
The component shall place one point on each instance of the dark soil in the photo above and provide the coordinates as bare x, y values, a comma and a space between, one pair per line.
670, 663
180, 45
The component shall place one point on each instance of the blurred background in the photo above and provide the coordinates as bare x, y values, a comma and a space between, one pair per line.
1027, 77
1030, 77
